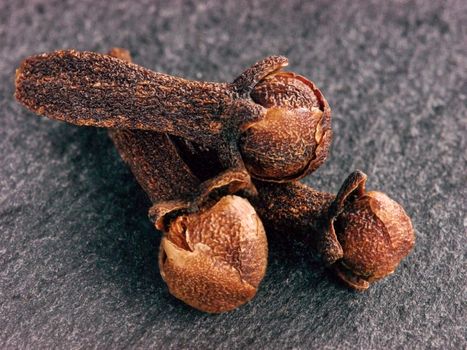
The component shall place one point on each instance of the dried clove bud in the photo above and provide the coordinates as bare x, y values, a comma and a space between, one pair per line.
294, 136
215, 259
375, 234
362, 235
214, 254
275, 122
212, 257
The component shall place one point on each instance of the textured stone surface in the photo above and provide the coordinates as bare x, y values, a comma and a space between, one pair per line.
78, 255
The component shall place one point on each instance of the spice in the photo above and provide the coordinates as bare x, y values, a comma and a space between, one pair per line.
362, 235
212, 256
214, 251
274, 123
214, 259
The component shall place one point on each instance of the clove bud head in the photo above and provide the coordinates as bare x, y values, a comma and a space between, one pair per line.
293, 137
375, 234
214, 260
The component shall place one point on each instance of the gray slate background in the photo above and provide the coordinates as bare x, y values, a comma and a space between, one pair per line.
78, 255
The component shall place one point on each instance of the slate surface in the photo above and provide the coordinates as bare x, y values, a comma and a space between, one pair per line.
77, 253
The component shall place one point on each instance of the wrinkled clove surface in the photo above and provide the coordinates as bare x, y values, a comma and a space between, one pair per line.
362, 235
211, 257
215, 259
143, 151
275, 123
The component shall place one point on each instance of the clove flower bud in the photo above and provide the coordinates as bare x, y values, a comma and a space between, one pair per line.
362, 235
293, 137
215, 259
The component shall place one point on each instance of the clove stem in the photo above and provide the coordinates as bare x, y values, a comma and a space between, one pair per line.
87, 88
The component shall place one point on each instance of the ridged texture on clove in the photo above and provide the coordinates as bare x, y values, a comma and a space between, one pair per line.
291, 207
293, 137
214, 260
375, 234
153, 159
87, 88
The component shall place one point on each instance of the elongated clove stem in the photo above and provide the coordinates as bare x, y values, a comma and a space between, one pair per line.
299, 211
87, 88
155, 163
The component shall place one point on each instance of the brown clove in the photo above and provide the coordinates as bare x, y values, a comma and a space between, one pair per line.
215, 259
213, 254
274, 123
362, 235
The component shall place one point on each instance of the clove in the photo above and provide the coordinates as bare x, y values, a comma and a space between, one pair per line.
361, 235
271, 124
